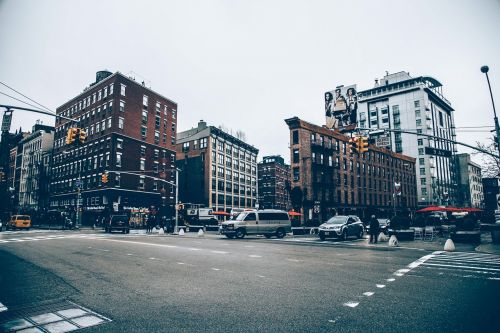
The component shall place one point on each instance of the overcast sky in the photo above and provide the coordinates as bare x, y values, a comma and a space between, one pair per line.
248, 65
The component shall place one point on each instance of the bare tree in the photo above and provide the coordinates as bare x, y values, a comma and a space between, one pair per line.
490, 166
241, 135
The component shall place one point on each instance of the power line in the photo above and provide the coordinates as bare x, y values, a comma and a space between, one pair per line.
19, 100
46, 108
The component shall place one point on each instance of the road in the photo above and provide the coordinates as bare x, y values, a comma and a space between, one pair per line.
152, 283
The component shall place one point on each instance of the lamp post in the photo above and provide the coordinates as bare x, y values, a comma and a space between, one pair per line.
485, 70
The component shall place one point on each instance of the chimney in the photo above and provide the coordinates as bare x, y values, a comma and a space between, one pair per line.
202, 125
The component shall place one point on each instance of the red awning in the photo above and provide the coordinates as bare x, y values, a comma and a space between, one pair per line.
221, 213
292, 213
470, 210
431, 209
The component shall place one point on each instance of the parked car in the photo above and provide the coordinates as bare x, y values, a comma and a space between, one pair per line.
19, 222
118, 222
267, 222
1, 226
383, 223
341, 226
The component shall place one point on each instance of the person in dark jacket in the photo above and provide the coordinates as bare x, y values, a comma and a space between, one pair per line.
374, 229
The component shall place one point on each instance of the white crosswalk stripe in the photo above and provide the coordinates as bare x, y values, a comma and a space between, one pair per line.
465, 264
49, 237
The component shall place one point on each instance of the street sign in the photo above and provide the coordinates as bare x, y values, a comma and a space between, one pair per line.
6, 121
78, 183
383, 141
437, 152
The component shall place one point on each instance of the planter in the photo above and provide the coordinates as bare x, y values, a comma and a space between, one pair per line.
466, 236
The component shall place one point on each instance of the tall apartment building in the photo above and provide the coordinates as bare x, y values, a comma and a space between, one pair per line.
274, 183
470, 183
400, 101
328, 179
36, 150
131, 135
218, 170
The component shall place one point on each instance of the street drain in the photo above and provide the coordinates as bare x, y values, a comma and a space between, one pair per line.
55, 317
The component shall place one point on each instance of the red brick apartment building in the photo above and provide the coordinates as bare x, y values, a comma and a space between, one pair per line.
326, 178
130, 128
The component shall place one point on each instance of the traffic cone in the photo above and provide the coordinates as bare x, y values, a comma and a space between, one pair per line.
393, 241
449, 246
181, 232
200, 233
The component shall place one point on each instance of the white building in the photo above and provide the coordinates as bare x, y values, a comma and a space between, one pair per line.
470, 182
400, 101
36, 149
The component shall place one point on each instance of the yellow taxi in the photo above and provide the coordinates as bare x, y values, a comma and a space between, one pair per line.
19, 222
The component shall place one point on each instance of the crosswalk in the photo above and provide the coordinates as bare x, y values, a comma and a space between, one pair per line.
49, 237
464, 265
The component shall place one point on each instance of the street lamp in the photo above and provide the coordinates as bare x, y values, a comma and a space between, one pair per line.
485, 70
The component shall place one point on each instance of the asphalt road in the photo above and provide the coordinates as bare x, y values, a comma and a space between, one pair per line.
213, 284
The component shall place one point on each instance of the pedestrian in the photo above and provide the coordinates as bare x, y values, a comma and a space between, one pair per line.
374, 229
150, 224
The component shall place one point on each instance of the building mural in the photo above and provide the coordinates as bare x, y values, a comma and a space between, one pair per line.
341, 108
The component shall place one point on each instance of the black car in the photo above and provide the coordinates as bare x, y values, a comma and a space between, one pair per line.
118, 222
341, 226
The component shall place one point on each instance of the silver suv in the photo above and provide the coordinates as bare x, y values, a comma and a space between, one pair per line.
267, 222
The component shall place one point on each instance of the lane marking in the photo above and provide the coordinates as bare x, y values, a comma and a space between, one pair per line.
468, 267
219, 252
215, 269
391, 280
255, 256
351, 304
368, 293
380, 285
3, 307
261, 276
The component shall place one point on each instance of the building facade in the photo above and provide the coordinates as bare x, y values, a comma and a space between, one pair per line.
470, 184
131, 133
217, 170
274, 183
328, 179
401, 102
35, 161
491, 190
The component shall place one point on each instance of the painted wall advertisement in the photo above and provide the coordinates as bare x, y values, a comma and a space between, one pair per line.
341, 108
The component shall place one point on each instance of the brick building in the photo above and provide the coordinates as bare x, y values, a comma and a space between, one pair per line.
131, 130
274, 183
218, 170
327, 178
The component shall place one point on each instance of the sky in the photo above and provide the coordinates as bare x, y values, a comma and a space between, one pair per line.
248, 65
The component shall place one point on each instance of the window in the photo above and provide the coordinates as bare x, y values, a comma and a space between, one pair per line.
122, 106
295, 137
119, 160
417, 104
144, 131
119, 143
419, 122
144, 116
122, 89
296, 174
111, 89
421, 151
145, 100
424, 191
417, 113
99, 95
421, 161
185, 146
395, 109
109, 122
423, 181
420, 142
422, 171
117, 179
385, 110
143, 150
203, 143
295, 156
93, 98
141, 183
157, 137
105, 93
142, 164
120, 122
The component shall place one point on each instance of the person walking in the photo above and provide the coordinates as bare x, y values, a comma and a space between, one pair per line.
374, 229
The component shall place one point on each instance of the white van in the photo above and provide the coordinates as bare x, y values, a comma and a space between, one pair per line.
267, 222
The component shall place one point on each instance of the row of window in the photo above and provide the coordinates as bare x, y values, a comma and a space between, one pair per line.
91, 99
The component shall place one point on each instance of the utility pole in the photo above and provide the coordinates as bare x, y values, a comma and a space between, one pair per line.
485, 70
176, 229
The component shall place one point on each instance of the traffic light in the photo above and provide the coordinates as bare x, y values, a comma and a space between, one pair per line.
104, 178
354, 144
71, 136
82, 135
363, 144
